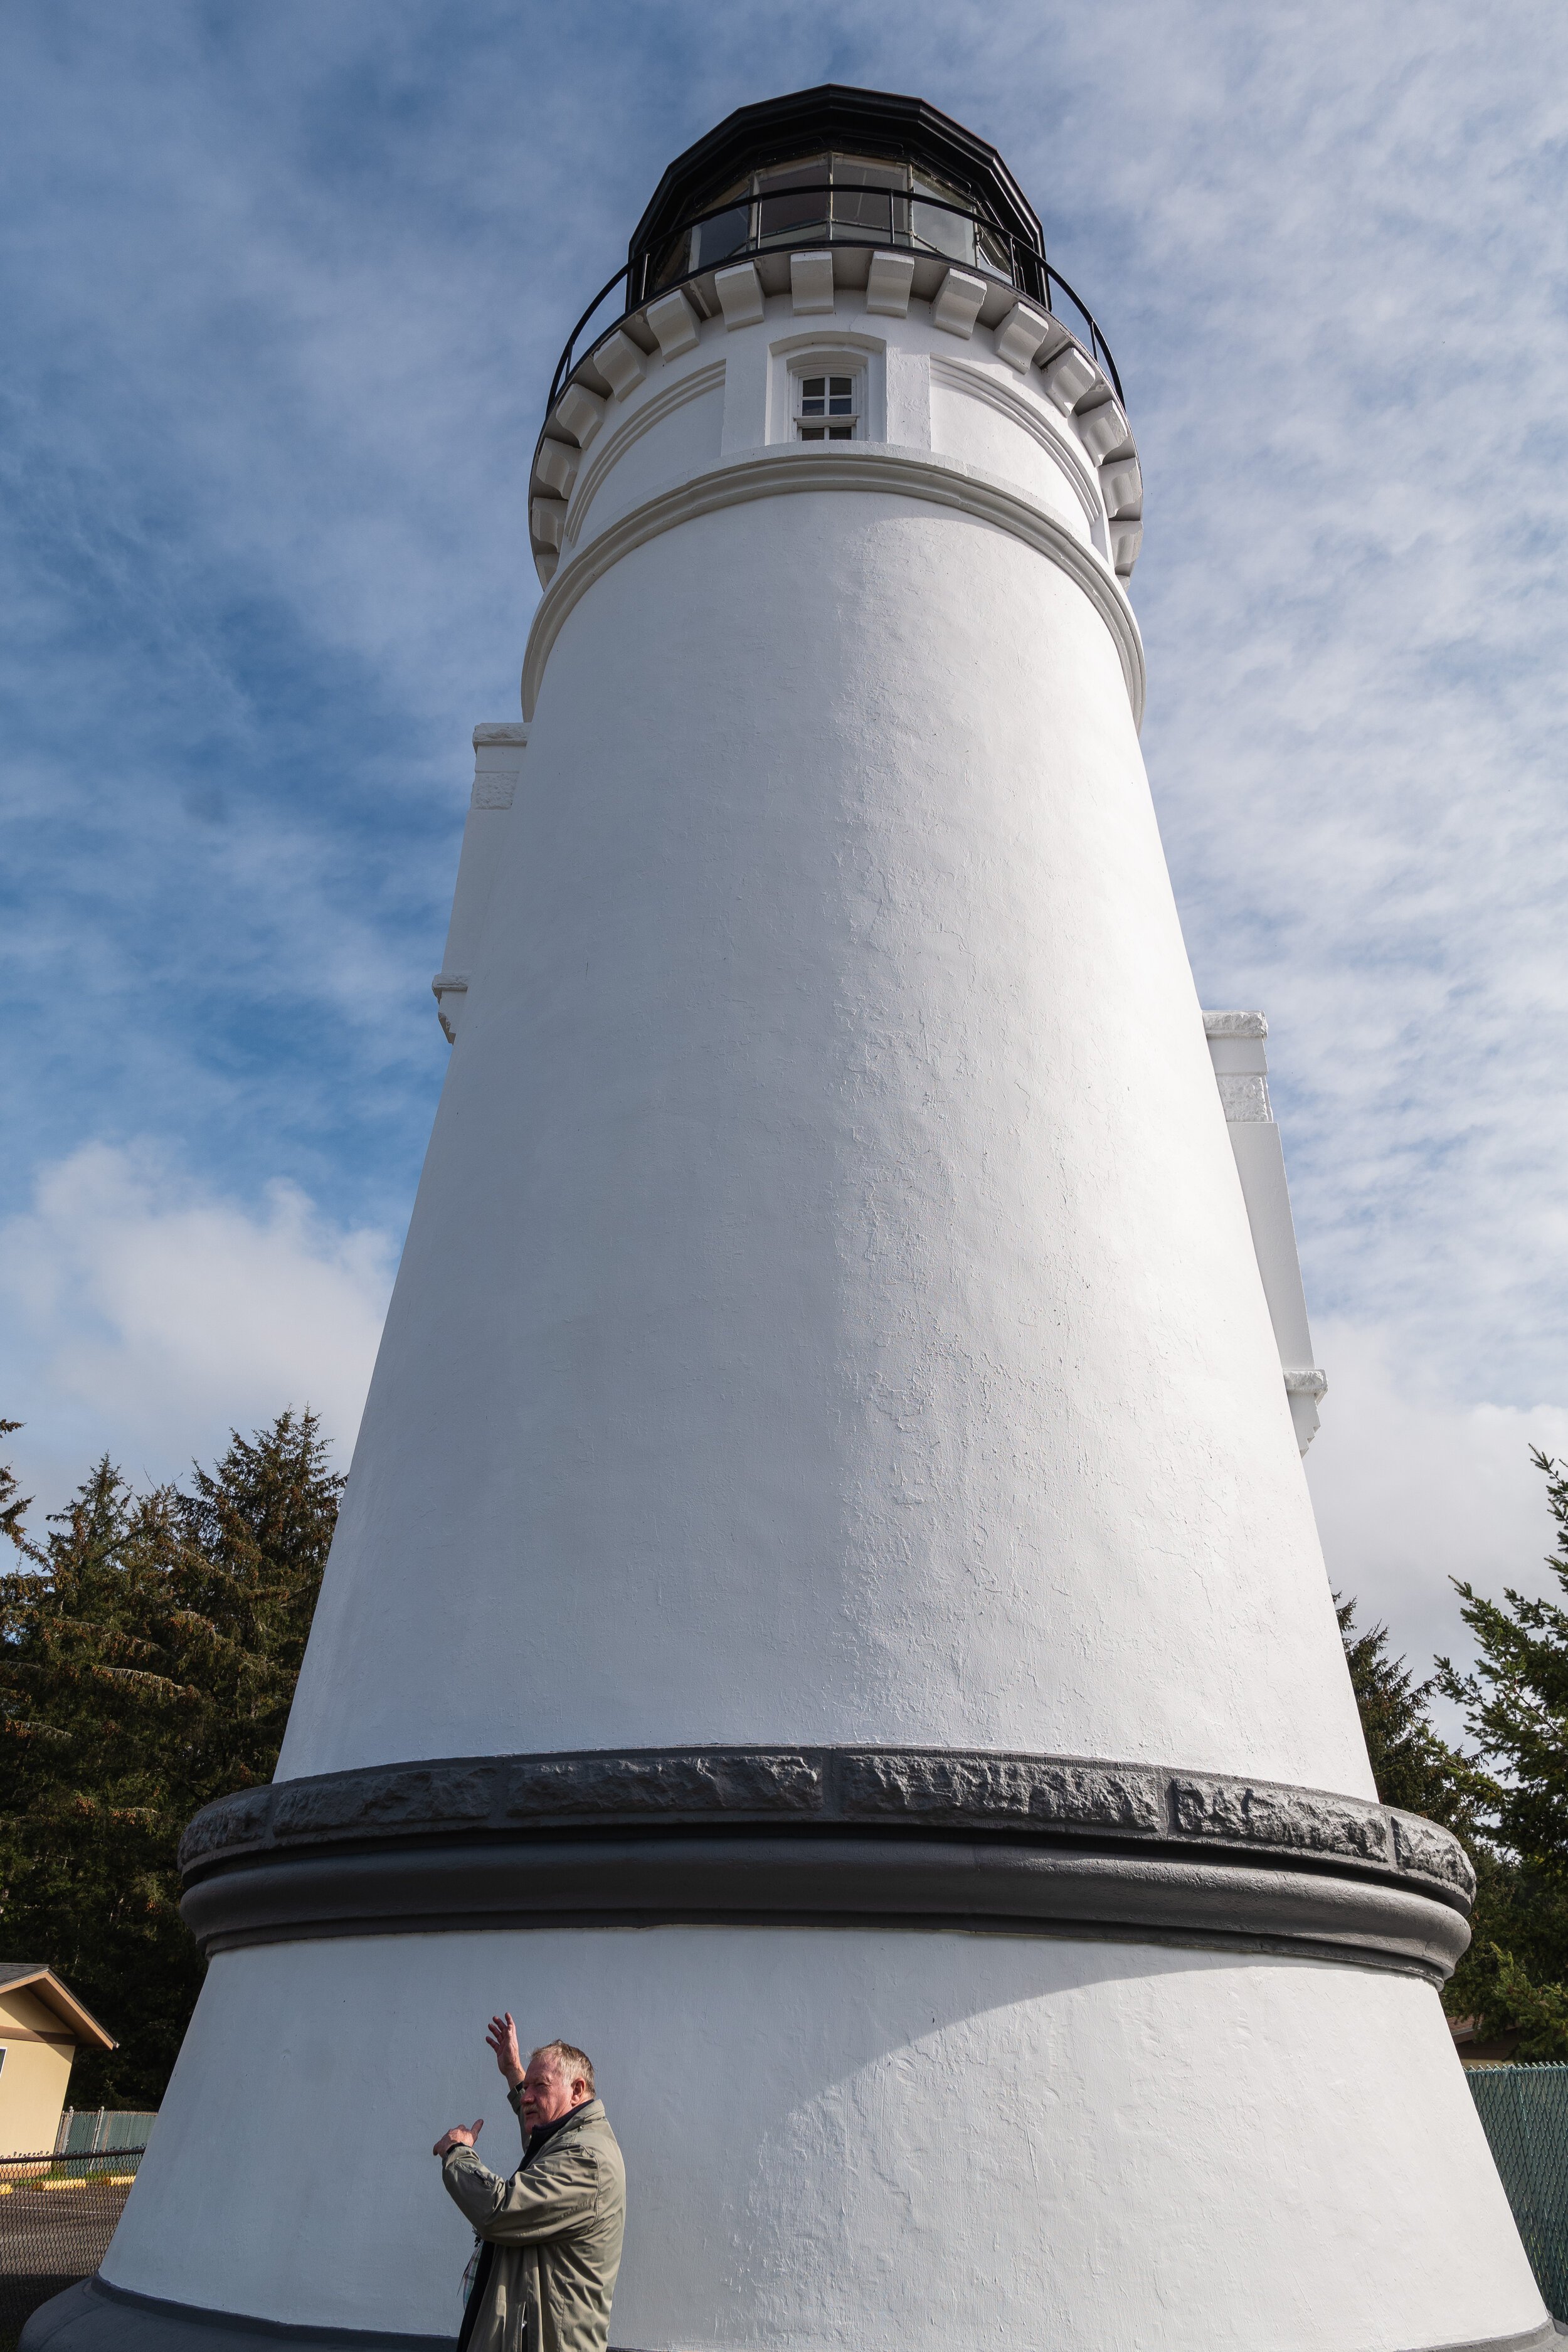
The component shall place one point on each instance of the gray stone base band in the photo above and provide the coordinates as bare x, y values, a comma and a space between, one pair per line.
94, 2316
889, 1837
677, 1878
98, 2317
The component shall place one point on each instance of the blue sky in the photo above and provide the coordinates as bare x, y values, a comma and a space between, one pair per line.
284, 287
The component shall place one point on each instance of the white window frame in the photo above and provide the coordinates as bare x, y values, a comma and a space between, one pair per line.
829, 352
824, 366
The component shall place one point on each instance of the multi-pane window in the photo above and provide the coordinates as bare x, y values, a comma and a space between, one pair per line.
838, 198
827, 408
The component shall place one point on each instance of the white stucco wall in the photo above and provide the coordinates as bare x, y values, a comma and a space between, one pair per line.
829, 1314
853, 2142
921, 389
967, 426
630, 462
829, 1252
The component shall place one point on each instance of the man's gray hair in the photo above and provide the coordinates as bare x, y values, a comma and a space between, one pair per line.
569, 2059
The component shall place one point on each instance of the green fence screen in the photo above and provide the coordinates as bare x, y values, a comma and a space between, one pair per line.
1525, 2112
86, 2131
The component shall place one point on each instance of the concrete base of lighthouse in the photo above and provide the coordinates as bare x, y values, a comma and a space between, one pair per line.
826, 2131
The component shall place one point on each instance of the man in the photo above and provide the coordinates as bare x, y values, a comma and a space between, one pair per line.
550, 2237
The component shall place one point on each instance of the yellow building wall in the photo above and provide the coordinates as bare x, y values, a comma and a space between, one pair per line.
34, 2074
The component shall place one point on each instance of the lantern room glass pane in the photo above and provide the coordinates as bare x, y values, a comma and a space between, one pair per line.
864, 196
787, 215
671, 262
993, 252
850, 198
939, 231
715, 240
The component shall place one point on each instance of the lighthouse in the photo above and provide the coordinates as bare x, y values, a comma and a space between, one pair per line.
826, 1615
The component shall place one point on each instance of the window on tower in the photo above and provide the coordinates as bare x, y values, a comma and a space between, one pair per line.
827, 408
838, 200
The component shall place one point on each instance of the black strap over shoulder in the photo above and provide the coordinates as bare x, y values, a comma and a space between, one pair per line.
477, 2296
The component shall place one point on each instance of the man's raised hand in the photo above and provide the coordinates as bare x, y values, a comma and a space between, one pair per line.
501, 2037
460, 2136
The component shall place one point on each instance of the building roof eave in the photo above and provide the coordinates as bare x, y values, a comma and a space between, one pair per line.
34, 1977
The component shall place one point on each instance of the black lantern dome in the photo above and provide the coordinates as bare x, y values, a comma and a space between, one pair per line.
835, 165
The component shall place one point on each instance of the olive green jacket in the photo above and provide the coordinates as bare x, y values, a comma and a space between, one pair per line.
556, 2229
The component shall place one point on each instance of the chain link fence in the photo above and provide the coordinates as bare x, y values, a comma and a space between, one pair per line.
57, 2215
1524, 2112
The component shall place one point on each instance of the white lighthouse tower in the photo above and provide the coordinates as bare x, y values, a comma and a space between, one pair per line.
826, 1613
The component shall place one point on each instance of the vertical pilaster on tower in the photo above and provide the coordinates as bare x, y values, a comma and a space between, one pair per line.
498, 767
826, 1615
1239, 1052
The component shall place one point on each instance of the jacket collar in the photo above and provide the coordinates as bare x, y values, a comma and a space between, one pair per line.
590, 2111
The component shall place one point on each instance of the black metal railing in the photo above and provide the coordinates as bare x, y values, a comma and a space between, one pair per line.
994, 252
57, 2214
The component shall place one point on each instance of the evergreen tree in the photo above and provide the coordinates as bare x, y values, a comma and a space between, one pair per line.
13, 1506
148, 1655
1411, 1766
1516, 1710
254, 1537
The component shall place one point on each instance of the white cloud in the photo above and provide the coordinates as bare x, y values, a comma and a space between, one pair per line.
1411, 1489
148, 1316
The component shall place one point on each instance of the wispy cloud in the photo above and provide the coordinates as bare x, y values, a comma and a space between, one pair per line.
285, 286
145, 1314
1413, 1489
